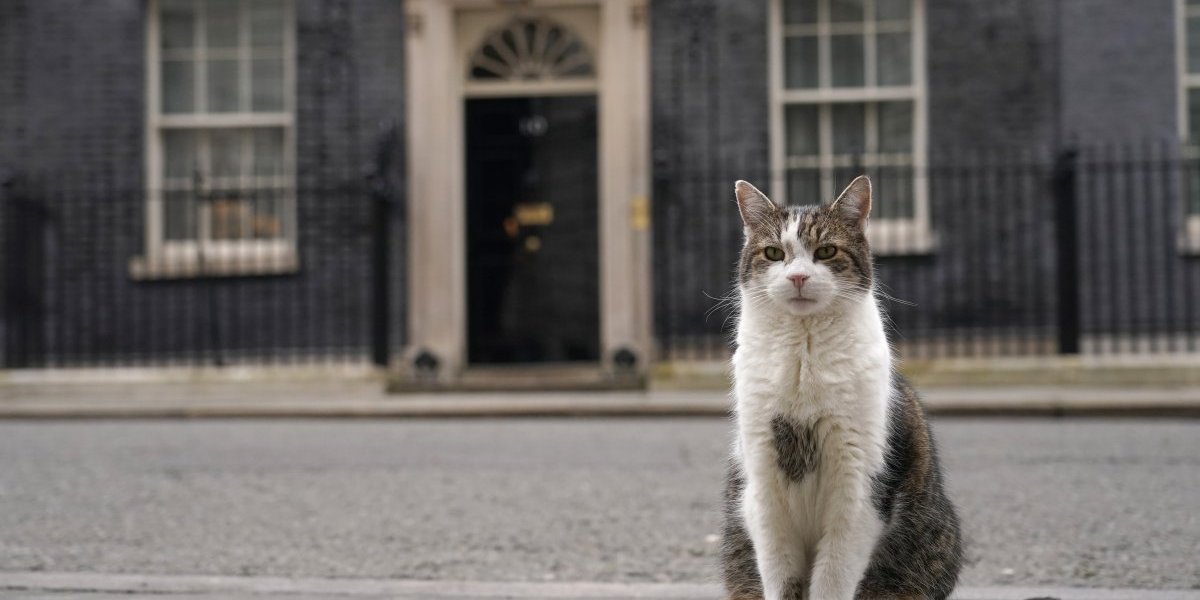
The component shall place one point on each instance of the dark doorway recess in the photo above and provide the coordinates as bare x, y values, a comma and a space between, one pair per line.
532, 235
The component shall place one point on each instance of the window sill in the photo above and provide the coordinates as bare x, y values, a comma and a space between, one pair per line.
275, 259
900, 237
1189, 239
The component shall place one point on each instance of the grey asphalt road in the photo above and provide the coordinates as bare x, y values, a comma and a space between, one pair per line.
1075, 502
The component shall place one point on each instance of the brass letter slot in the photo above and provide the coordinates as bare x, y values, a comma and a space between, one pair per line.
534, 215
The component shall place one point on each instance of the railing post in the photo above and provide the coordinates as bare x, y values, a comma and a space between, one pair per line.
1066, 246
382, 200
22, 275
6, 183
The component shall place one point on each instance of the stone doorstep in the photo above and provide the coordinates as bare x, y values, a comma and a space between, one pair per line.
524, 378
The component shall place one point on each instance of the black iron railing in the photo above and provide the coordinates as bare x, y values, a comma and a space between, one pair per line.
1086, 250
99, 275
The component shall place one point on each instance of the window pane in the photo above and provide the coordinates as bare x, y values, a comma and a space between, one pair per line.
846, 10
1193, 44
804, 186
892, 10
225, 146
221, 21
894, 60
266, 23
802, 134
180, 149
178, 22
847, 60
800, 62
1194, 115
267, 52
1193, 191
230, 216
895, 127
179, 216
178, 86
222, 86
267, 76
849, 128
268, 152
267, 219
842, 176
894, 187
799, 11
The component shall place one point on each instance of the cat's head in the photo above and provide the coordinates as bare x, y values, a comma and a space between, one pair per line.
804, 260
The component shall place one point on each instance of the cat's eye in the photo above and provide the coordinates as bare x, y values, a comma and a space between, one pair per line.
773, 253
825, 252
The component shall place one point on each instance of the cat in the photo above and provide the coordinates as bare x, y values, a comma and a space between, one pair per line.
834, 490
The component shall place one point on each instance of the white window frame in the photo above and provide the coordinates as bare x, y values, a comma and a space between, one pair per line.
166, 259
889, 236
1189, 239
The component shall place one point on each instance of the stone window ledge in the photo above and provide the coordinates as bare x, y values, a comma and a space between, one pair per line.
224, 260
900, 237
1189, 239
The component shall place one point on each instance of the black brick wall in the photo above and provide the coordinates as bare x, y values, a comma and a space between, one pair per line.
1119, 100
1119, 79
992, 73
992, 85
710, 128
993, 114
1007, 81
72, 124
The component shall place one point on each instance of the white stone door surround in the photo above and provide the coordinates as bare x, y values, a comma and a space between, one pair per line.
438, 50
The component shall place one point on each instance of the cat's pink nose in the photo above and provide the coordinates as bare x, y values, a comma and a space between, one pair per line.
798, 280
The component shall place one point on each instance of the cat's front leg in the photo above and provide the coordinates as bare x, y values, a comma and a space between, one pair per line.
778, 553
851, 529
780, 559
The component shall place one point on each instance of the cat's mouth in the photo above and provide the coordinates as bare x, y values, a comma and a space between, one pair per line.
801, 301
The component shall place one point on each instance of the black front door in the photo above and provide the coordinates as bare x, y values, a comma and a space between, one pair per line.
533, 245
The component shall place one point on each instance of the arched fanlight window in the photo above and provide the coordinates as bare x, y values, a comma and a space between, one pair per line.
529, 49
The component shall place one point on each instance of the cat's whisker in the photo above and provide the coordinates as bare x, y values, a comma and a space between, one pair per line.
724, 304
891, 298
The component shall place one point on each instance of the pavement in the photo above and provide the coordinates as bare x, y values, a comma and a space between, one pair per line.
56, 586
544, 508
364, 397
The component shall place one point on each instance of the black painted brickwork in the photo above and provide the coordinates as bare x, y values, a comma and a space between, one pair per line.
1009, 81
72, 121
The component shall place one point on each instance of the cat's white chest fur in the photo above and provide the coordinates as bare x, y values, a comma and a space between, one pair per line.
829, 377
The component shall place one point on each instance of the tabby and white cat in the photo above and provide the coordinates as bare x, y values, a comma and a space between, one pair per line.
834, 490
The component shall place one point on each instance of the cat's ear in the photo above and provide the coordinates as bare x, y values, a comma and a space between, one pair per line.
756, 208
854, 203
